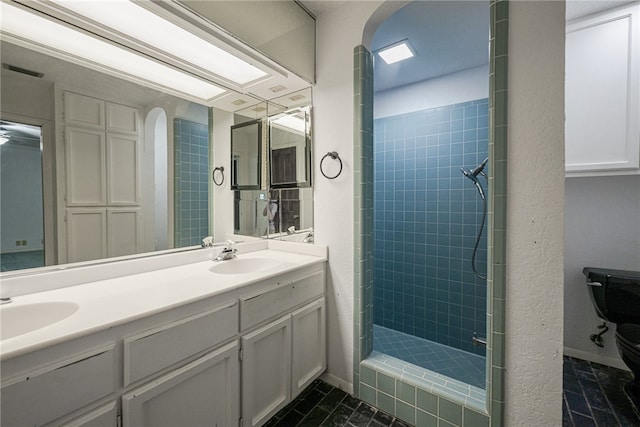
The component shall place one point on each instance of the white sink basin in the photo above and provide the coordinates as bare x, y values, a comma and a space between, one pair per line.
20, 319
244, 265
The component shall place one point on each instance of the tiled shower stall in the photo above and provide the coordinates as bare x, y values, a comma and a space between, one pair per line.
426, 218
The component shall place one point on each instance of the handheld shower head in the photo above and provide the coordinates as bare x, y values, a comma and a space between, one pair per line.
478, 169
473, 173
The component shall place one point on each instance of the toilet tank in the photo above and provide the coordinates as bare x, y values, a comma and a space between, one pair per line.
615, 294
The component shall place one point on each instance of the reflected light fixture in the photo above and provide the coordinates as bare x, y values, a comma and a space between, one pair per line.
293, 122
142, 24
52, 37
396, 52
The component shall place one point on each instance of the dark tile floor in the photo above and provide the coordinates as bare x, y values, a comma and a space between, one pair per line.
594, 396
323, 405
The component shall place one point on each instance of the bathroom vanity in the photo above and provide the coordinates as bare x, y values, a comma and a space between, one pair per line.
203, 343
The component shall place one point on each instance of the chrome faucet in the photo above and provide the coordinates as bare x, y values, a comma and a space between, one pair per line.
229, 251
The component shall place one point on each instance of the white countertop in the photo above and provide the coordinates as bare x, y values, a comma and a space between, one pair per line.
107, 303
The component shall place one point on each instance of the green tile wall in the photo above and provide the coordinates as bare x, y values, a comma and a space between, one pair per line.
433, 404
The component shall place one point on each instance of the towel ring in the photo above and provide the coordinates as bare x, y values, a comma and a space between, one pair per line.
334, 155
213, 175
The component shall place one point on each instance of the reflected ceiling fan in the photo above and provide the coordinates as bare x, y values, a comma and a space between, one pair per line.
18, 133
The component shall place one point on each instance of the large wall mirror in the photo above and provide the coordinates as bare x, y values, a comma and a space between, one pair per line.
281, 206
99, 163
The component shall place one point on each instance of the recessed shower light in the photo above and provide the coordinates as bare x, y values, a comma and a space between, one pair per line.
396, 52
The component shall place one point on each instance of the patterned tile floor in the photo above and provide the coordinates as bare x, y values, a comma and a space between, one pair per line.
594, 396
21, 260
323, 405
458, 364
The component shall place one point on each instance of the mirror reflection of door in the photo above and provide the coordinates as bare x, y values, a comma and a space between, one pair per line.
21, 197
284, 168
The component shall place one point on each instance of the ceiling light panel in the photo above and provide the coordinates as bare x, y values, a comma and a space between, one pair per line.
396, 52
145, 26
34, 29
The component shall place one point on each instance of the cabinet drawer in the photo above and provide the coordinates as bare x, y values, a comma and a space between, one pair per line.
42, 395
285, 297
161, 347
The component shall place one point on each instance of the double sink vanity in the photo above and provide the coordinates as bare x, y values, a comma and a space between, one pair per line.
174, 339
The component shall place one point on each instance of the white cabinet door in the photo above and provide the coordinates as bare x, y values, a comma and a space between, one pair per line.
602, 133
202, 393
308, 345
124, 231
85, 167
84, 111
266, 371
86, 234
123, 169
122, 119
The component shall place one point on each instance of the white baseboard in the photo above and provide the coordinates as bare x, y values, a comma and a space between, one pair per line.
614, 362
337, 382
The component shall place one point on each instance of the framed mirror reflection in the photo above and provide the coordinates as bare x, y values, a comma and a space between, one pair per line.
246, 155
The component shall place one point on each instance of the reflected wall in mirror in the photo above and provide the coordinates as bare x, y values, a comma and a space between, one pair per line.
290, 149
285, 214
21, 218
111, 144
284, 208
246, 155
290, 140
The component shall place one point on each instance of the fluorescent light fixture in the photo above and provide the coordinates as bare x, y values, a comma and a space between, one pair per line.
141, 24
396, 52
90, 50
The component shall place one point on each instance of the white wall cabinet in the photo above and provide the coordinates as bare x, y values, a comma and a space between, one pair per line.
102, 169
124, 231
85, 166
602, 94
86, 234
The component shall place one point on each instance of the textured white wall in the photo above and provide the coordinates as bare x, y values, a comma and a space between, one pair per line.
338, 32
458, 87
535, 214
601, 230
222, 195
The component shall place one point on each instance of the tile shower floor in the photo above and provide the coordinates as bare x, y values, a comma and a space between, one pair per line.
458, 364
